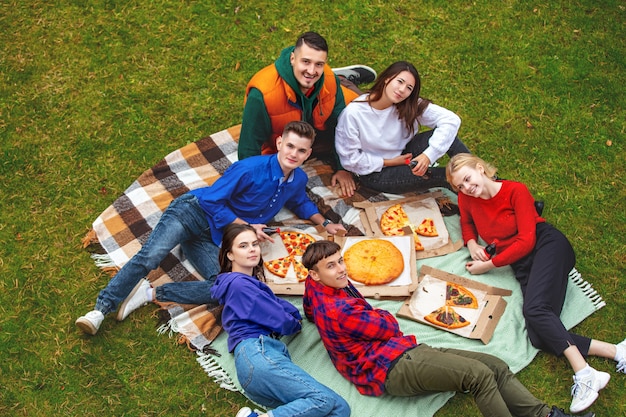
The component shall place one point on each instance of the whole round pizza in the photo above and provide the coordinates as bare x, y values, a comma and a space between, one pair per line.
373, 262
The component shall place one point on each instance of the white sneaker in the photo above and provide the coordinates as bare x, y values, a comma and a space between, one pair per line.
138, 297
585, 389
621, 351
90, 322
245, 412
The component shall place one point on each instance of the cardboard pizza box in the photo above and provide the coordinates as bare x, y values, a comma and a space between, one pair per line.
417, 208
400, 288
427, 297
288, 285
405, 284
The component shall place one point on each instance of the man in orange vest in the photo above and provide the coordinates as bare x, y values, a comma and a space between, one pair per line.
300, 85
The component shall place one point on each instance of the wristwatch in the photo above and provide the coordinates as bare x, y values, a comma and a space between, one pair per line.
326, 223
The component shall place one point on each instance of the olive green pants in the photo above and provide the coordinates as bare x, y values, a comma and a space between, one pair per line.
496, 390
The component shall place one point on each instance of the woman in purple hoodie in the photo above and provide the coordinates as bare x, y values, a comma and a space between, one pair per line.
255, 319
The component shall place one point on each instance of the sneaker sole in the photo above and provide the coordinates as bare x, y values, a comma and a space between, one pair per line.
86, 326
350, 67
582, 407
338, 71
120, 311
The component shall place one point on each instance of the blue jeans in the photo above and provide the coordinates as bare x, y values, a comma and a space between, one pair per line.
183, 222
270, 378
400, 179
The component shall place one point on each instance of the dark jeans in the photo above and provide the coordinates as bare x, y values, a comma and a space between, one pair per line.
400, 179
543, 276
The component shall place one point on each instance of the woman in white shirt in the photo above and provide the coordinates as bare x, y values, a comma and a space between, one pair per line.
377, 134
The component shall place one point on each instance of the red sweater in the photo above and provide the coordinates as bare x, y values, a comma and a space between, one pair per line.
509, 218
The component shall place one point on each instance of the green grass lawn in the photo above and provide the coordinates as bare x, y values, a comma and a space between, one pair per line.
92, 93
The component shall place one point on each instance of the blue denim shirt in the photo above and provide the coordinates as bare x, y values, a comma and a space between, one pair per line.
254, 189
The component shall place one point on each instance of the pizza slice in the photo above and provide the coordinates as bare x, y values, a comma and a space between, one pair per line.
416, 238
459, 296
296, 242
280, 266
393, 220
301, 271
447, 318
427, 228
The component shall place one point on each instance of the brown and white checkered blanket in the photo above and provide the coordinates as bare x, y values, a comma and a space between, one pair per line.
118, 233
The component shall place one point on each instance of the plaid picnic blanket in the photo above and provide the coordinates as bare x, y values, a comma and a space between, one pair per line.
118, 233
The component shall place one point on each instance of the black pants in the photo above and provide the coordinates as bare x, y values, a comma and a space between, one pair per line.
543, 276
400, 179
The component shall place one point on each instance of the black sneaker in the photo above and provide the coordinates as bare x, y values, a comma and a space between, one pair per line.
559, 412
358, 74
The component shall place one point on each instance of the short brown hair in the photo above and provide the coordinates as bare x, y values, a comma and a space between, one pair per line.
302, 129
317, 251
313, 40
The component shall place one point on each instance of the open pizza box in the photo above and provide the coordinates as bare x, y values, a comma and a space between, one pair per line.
431, 295
417, 208
290, 284
402, 286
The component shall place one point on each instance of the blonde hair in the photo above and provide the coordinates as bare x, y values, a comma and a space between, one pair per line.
461, 160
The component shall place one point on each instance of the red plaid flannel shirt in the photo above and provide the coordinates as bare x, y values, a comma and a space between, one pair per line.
362, 341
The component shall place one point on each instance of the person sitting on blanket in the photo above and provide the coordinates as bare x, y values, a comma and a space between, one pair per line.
250, 191
503, 212
368, 348
255, 319
378, 135
300, 85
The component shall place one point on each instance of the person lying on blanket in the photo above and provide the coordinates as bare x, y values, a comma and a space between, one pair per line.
250, 192
368, 348
300, 85
503, 212
255, 319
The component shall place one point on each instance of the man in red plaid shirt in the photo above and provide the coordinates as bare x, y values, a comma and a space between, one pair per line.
368, 348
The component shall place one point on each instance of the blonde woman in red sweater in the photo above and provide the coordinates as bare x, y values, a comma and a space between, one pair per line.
503, 212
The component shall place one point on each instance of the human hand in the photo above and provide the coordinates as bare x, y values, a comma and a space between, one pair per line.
346, 183
477, 252
421, 166
260, 234
333, 228
479, 267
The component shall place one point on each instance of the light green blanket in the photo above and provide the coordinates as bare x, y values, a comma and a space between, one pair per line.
307, 351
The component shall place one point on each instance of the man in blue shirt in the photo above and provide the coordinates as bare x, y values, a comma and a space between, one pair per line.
250, 191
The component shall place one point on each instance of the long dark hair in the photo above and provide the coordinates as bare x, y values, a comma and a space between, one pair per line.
410, 108
230, 233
